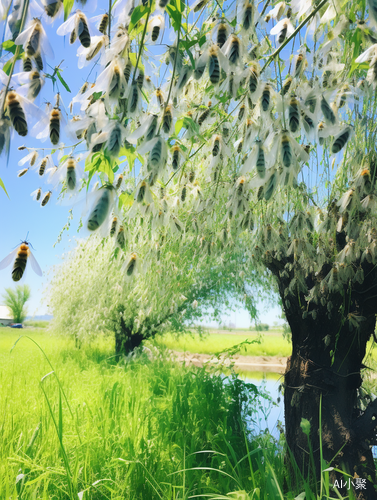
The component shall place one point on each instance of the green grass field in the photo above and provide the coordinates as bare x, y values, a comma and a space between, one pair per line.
145, 429
272, 344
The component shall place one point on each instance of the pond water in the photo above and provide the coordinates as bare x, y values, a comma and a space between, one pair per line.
269, 415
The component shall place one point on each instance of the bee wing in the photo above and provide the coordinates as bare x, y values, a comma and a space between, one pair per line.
299, 151
200, 65
34, 264
278, 27
250, 161
67, 27
367, 55
140, 131
8, 259
224, 63
45, 45
23, 37
33, 113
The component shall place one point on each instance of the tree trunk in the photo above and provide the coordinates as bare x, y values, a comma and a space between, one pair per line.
126, 342
324, 372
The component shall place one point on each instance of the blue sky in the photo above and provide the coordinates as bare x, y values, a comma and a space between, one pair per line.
21, 214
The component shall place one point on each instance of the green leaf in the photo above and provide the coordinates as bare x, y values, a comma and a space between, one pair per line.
7, 66
131, 155
133, 58
174, 10
126, 199
9, 45
3, 186
62, 81
68, 4
138, 12
305, 426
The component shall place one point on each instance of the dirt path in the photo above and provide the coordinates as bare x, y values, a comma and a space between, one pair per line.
274, 364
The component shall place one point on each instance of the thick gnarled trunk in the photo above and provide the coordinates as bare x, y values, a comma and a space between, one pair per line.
324, 372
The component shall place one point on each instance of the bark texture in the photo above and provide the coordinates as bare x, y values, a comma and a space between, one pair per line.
329, 340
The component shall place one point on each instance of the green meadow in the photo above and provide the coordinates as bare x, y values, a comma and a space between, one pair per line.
76, 425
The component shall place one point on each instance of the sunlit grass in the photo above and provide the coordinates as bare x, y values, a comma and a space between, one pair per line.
123, 431
270, 345
75, 425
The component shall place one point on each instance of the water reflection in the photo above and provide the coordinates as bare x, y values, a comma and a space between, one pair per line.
269, 415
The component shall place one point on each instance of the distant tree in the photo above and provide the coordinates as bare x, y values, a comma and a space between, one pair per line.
92, 293
15, 300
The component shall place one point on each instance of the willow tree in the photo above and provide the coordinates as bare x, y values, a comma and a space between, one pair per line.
244, 125
91, 291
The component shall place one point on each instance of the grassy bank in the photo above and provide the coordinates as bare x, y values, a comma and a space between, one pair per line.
76, 426
215, 343
145, 429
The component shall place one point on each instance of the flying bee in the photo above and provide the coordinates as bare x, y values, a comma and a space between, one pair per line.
167, 119
20, 257
240, 186
114, 225
101, 207
203, 116
43, 164
253, 78
293, 115
341, 139
282, 29
241, 113
299, 65
77, 26
34, 40
93, 50
183, 193
155, 25
247, 16
140, 195
52, 7
54, 127
327, 111
286, 85
232, 49
71, 180
307, 121
216, 146
104, 23
364, 180
177, 156
311, 101
46, 198
37, 194
160, 97
266, 97
343, 94
121, 240
147, 129
119, 181
216, 61
286, 151
131, 264
16, 113
31, 158
134, 98
127, 71
140, 79
22, 172
220, 33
